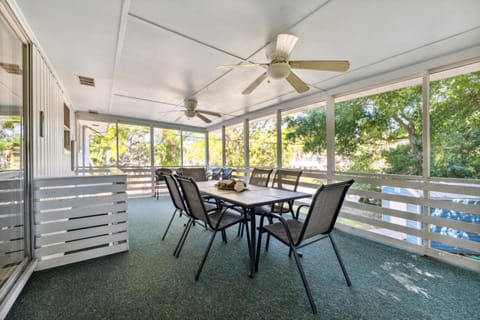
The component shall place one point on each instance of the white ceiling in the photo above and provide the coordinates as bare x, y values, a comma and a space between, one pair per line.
147, 56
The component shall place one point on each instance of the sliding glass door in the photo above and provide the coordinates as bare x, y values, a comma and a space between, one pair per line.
13, 247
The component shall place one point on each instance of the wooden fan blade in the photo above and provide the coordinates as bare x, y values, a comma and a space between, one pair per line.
216, 114
255, 84
297, 83
285, 44
201, 116
325, 65
248, 64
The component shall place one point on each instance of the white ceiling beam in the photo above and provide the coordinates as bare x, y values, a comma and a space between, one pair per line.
122, 29
93, 116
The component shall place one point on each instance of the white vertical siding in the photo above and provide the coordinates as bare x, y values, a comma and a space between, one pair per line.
50, 158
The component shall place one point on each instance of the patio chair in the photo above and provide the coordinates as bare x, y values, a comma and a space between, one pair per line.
215, 173
158, 175
227, 173
318, 225
260, 177
216, 220
286, 180
178, 201
198, 174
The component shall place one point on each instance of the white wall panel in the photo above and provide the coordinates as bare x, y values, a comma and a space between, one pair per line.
50, 157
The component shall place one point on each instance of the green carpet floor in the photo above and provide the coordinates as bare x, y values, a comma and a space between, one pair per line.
149, 283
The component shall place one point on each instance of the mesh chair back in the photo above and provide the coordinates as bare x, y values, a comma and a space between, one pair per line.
216, 173
172, 186
194, 200
260, 177
227, 173
161, 172
287, 179
198, 174
326, 205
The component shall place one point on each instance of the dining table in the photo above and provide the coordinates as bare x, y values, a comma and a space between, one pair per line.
249, 199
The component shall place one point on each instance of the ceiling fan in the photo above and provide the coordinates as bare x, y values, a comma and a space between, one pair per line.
192, 111
280, 66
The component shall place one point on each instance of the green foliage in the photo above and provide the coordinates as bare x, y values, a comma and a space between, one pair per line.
10, 142
234, 147
215, 148
309, 128
103, 148
382, 133
372, 133
193, 149
167, 147
400, 160
263, 143
455, 126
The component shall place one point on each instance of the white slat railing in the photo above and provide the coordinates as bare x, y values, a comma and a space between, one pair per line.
435, 217
78, 218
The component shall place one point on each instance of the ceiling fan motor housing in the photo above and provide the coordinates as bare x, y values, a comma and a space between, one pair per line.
189, 113
190, 105
278, 70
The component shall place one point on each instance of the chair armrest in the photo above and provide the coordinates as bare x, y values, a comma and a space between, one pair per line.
222, 214
300, 207
284, 224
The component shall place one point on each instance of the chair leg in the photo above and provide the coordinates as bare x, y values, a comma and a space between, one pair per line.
182, 239
238, 230
267, 243
347, 278
169, 224
304, 279
224, 236
185, 227
197, 276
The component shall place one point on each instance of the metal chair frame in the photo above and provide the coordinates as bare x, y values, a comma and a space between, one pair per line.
176, 197
321, 229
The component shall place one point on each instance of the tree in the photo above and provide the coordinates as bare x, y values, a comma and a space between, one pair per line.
215, 148
455, 126
10, 142
193, 149
167, 147
369, 131
234, 147
263, 143
383, 133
